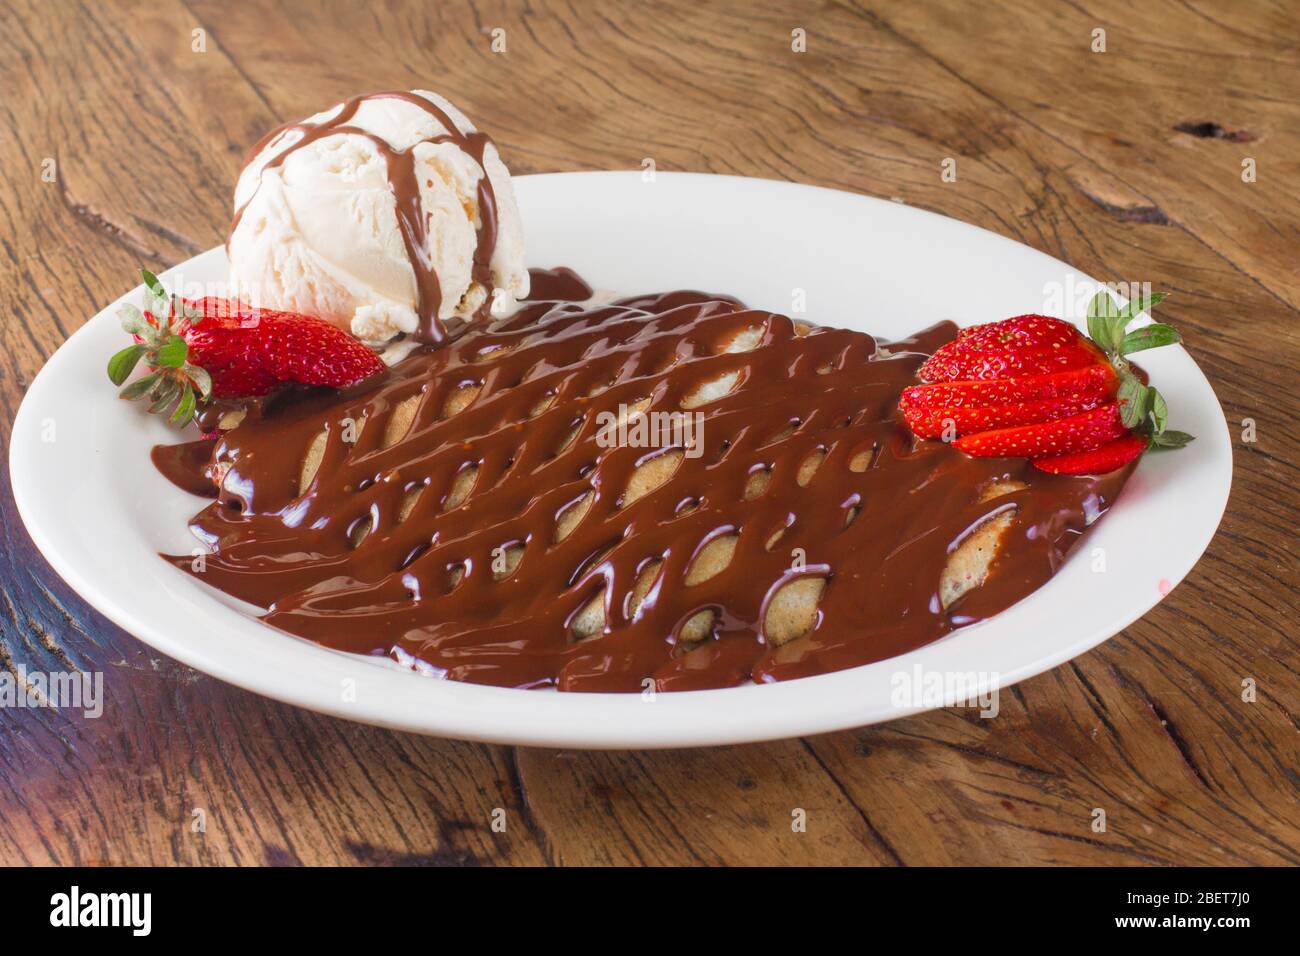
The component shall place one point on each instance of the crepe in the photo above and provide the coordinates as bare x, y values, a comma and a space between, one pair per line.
468, 515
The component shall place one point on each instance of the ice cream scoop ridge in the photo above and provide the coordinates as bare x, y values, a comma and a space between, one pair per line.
313, 231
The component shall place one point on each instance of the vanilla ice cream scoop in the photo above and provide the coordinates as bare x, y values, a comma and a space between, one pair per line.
389, 213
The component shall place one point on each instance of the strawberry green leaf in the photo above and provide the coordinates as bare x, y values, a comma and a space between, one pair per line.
1142, 304
152, 284
141, 386
1171, 439
185, 409
133, 321
173, 353
1112, 334
1149, 337
1133, 397
160, 309
1105, 324
201, 379
1159, 411
1102, 306
155, 296
168, 392
123, 363
1099, 330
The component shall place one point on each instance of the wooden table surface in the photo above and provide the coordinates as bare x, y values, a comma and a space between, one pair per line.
120, 145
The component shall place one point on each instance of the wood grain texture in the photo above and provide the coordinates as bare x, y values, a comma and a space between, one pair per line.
1126, 164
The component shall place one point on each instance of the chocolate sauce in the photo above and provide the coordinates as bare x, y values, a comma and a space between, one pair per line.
560, 284
877, 521
186, 465
404, 182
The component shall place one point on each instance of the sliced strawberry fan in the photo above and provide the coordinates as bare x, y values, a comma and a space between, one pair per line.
222, 348
1032, 386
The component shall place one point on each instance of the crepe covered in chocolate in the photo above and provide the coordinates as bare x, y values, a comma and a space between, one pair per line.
485, 511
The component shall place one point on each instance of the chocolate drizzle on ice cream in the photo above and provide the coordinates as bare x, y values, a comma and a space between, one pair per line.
404, 183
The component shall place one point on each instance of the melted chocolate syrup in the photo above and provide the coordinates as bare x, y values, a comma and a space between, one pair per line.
405, 185
877, 520
186, 465
560, 284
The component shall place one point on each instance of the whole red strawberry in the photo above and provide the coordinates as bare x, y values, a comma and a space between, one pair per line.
1033, 386
228, 349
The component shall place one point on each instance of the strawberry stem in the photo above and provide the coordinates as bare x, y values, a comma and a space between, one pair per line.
172, 382
1142, 408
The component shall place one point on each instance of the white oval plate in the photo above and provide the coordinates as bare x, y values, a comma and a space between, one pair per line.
100, 513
